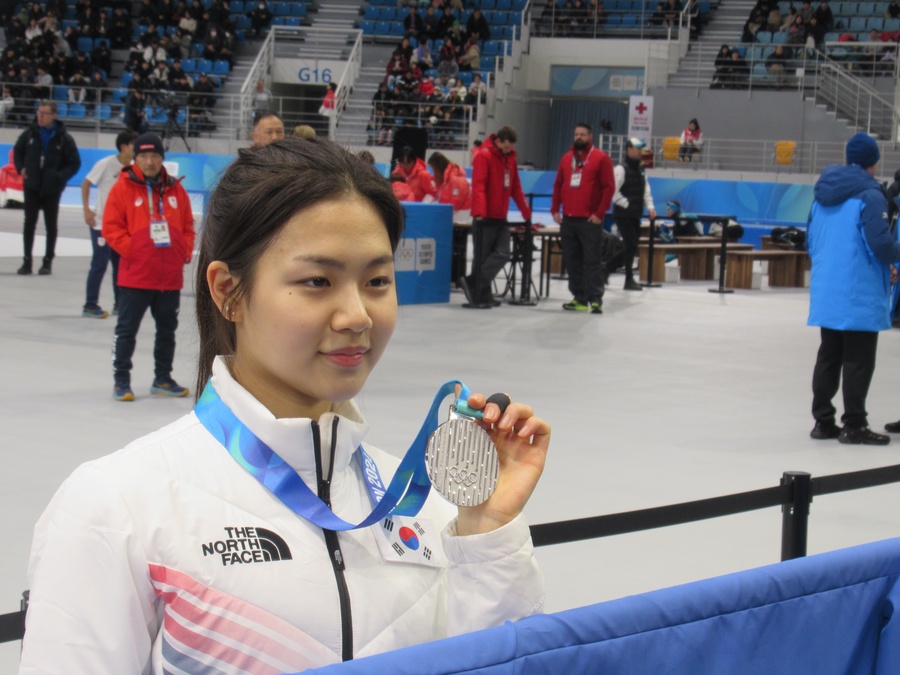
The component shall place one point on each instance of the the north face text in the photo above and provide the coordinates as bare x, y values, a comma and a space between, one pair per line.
248, 545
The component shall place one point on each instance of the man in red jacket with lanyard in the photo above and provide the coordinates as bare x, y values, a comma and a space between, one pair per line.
149, 223
582, 194
495, 178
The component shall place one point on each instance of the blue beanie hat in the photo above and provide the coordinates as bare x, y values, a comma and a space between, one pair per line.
863, 150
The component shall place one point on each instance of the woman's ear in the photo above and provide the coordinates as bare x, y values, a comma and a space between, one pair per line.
221, 284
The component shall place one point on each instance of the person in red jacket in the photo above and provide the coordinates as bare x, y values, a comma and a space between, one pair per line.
400, 188
417, 176
495, 179
452, 186
149, 223
582, 194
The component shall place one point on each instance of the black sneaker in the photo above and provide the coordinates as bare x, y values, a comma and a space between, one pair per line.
825, 430
862, 436
632, 285
892, 427
596, 308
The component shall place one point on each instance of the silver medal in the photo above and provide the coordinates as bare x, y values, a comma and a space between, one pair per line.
462, 461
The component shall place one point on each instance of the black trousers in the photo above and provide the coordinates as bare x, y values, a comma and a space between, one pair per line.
133, 303
582, 249
847, 353
491, 248
630, 229
34, 204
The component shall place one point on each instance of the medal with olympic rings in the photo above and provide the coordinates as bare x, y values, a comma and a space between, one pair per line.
460, 457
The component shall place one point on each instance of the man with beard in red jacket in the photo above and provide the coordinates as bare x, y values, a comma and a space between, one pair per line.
495, 178
149, 223
582, 194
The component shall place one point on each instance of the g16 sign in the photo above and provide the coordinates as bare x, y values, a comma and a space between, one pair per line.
307, 71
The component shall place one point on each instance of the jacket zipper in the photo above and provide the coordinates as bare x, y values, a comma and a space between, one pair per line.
331, 540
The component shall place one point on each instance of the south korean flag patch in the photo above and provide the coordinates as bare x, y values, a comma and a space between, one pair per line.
410, 539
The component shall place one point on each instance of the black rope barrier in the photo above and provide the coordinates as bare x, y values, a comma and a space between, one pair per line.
547, 534
844, 482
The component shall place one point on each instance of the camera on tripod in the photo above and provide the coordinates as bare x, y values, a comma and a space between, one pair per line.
171, 102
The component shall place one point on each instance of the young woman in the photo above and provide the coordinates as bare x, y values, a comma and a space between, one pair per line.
172, 556
691, 141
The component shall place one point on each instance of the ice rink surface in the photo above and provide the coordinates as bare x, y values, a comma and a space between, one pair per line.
673, 394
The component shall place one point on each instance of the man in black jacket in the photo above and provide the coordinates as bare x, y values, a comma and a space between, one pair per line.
46, 157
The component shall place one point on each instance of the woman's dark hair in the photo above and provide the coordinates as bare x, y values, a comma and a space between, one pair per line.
439, 162
695, 123
257, 194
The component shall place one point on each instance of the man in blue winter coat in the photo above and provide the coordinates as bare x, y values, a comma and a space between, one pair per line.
852, 251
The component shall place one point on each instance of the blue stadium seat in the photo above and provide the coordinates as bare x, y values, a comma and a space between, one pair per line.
292, 21
298, 10
279, 21
491, 48
760, 72
504, 4
866, 9
779, 38
892, 25
103, 112
488, 4
487, 63
764, 36
221, 67
77, 111
237, 6
282, 9
498, 18
127, 77
465, 77
396, 28
188, 65
62, 109
382, 27
157, 115
242, 22
60, 93
387, 13
203, 66
119, 95
367, 26
371, 13
101, 41
519, 5
85, 44
857, 24
875, 23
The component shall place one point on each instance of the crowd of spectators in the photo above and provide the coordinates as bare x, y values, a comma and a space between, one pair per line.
44, 50
804, 27
422, 85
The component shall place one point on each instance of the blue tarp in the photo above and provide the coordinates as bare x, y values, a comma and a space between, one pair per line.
827, 614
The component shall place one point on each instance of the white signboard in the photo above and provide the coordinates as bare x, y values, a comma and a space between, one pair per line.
640, 117
307, 71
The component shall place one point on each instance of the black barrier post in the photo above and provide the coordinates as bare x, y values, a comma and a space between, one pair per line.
649, 283
527, 250
721, 288
795, 515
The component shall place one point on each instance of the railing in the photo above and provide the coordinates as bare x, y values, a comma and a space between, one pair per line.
836, 85
557, 22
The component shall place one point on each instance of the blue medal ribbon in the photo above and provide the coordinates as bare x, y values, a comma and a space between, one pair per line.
405, 495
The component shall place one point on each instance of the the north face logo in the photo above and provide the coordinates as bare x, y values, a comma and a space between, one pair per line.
248, 545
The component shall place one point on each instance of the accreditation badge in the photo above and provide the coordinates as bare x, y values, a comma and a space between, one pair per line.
575, 180
159, 233
461, 461
410, 539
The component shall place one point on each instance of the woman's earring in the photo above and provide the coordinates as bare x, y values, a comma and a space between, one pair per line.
228, 313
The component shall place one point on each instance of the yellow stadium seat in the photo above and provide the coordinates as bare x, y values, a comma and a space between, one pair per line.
784, 152
670, 148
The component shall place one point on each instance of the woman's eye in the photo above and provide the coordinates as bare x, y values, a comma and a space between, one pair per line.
317, 282
380, 282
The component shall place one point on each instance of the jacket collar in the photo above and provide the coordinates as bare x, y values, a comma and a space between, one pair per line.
292, 438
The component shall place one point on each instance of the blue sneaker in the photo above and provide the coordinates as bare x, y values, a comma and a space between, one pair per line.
122, 392
168, 388
95, 312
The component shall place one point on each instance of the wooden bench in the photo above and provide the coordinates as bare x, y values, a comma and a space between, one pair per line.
697, 261
786, 268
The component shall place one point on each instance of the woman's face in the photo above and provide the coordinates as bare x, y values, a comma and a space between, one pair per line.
321, 312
